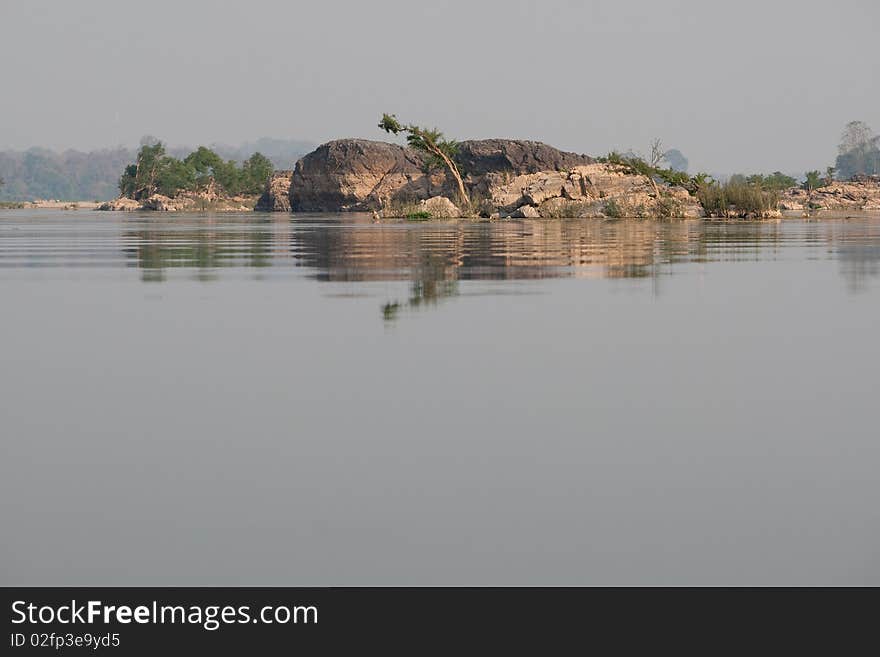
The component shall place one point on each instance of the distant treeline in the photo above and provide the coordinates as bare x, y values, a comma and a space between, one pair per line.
72, 175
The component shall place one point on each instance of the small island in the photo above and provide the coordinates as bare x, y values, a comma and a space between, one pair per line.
434, 177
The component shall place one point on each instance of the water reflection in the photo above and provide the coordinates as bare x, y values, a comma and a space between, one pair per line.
432, 256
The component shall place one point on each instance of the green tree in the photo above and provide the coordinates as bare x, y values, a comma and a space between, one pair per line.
128, 181
174, 176
228, 176
813, 180
202, 162
699, 181
779, 181
140, 180
256, 170
432, 142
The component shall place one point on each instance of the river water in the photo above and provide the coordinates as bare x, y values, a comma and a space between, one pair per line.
260, 400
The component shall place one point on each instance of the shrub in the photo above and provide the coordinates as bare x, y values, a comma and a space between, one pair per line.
774, 181
635, 165
565, 209
668, 207
737, 198
613, 209
813, 181
421, 215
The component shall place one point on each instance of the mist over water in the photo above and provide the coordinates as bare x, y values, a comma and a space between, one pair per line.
258, 400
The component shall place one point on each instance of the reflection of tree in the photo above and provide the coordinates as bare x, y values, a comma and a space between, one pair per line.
434, 257
433, 281
202, 245
858, 264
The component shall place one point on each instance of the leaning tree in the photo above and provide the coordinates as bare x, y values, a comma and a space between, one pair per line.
431, 142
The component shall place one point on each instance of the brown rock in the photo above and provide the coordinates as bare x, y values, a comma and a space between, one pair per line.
484, 156
526, 212
356, 175
441, 207
121, 204
276, 196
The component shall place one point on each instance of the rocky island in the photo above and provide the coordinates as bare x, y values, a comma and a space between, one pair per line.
434, 178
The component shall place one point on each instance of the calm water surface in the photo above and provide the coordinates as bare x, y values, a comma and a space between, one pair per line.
317, 401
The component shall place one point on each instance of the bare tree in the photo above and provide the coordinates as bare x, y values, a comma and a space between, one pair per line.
657, 153
856, 135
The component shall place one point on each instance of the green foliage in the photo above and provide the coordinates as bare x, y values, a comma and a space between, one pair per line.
76, 175
774, 181
635, 165
173, 176
737, 198
813, 180
668, 207
156, 172
613, 209
421, 215
255, 171
227, 175
141, 180
427, 140
202, 162
699, 181
431, 142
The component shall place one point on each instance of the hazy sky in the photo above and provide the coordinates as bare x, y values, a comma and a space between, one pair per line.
736, 85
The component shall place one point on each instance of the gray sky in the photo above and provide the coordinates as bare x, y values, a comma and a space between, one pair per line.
737, 86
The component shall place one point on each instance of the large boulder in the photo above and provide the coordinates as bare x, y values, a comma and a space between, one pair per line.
363, 175
440, 207
357, 175
276, 195
514, 156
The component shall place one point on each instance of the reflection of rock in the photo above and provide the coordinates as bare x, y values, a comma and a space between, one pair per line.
440, 207
276, 196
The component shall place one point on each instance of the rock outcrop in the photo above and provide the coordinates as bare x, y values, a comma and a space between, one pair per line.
362, 175
276, 196
592, 190
357, 175
513, 156
120, 204
440, 207
189, 202
858, 195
